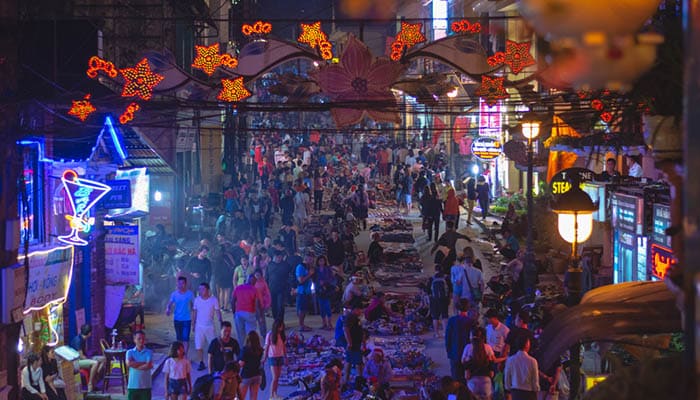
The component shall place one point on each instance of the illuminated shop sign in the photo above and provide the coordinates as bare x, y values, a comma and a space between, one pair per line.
486, 148
662, 259
83, 194
625, 212
490, 119
50, 273
561, 181
140, 190
661, 222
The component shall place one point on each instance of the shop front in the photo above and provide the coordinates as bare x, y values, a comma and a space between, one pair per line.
629, 242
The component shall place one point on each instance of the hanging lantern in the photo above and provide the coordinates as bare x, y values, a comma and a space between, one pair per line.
557, 19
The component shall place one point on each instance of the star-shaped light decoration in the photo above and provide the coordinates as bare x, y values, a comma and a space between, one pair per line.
233, 90
208, 58
82, 108
518, 56
491, 90
410, 34
140, 80
312, 34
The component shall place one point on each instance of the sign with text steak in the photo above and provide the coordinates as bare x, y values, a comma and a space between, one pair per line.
486, 148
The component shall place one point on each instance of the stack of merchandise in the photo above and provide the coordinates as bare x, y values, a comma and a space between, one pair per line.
414, 317
307, 357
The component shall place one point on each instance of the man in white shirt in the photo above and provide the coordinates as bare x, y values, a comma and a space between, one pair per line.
521, 375
205, 307
496, 333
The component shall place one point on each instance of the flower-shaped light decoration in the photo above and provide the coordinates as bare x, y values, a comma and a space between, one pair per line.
208, 59
82, 108
233, 90
518, 56
408, 36
128, 114
258, 28
359, 77
464, 26
140, 80
312, 35
491, 90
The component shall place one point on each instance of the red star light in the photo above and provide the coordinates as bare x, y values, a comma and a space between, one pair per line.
312, 34
208, 58
518, 56
140, 80
82, 108
491, 90
233, 90
410, 34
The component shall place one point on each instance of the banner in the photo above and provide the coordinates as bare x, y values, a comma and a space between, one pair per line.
122, 255
49, 277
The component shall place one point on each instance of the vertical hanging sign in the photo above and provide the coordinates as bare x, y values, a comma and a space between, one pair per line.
122, 255
490, 119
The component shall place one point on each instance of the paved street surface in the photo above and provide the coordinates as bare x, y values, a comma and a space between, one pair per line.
159, 329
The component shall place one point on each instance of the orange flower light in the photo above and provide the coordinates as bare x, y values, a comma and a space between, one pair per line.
140, 80
518, 56
464, 26
82, 108
128, 114
97, 64
491, 90
233, 90
258, 28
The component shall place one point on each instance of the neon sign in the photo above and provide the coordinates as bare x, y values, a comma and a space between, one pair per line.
83, 195
662, 259
50, 273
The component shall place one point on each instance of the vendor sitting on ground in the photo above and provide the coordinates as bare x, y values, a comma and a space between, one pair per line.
375, 251
509, 249
378, 367
353, 292
377, 308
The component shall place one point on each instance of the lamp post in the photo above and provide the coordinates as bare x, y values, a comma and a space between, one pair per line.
531, 129
575, 223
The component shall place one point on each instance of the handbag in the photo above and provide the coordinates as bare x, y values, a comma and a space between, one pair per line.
476, 292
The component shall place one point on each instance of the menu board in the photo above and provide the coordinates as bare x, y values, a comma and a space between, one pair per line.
660, 222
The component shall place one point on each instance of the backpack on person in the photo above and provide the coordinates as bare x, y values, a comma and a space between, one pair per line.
438, 288
203, 387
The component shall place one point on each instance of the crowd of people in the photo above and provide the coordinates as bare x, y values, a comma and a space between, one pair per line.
254, 272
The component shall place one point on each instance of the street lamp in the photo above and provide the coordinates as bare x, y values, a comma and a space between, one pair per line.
531, 129
575, 222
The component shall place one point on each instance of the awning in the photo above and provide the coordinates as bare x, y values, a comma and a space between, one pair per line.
608, 312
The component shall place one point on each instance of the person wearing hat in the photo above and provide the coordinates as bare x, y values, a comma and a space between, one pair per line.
378, 367
354, 290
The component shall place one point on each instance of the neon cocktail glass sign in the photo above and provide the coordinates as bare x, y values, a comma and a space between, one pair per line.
83, 195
